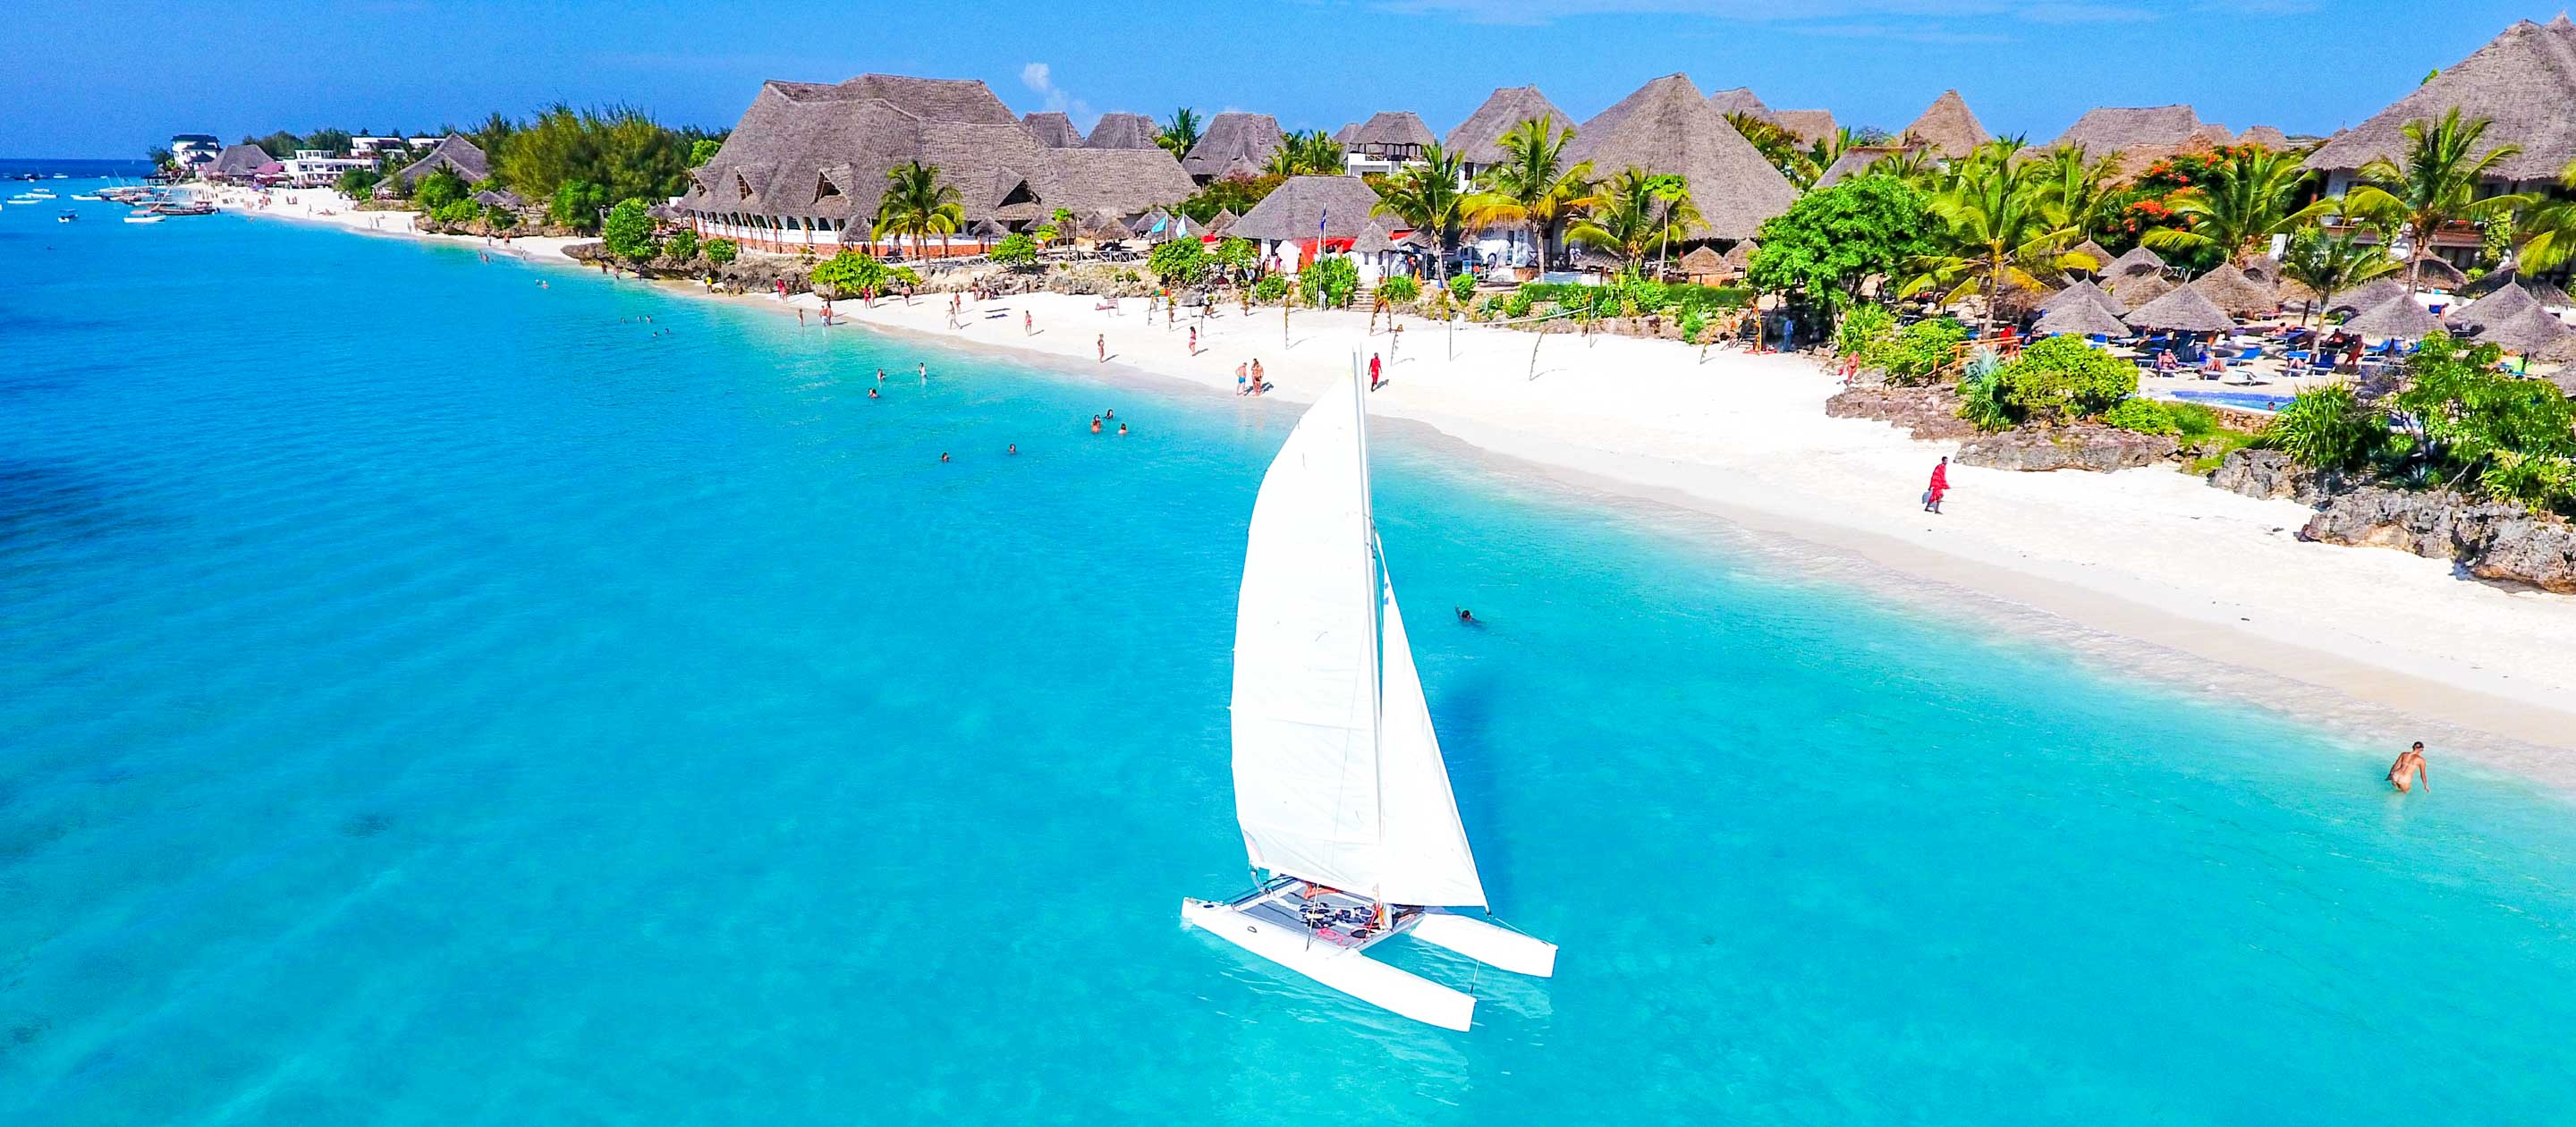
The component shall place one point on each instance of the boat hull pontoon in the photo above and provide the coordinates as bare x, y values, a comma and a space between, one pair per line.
1266, 923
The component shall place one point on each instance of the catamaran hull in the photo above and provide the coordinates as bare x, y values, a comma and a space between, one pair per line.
1349, 971
1500, 948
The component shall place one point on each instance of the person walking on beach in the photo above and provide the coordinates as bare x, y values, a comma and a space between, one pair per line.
1373, 380
1101, 343
1028, 323
2409, 770
1257, 385
1194, 340
1940, 486
1241, 384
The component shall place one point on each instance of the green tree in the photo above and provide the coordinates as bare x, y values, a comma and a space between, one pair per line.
702, 150
438, 189
1993, 229
1179, 263
918, 204
1779, 147
721, 251
1237, 194
2548, 230
618, 147
2326, 427
846, 273
575, 204
1180, 133
1016, 251
1062, 221
2248, 197
2333, 264
2435, 184
2509, 438
1329, 282
1834, 239
2081, 191
1533, 187
628, 231
682, 245
1634, 216
1400, 289
1236, 257
1427, 197
2062, 379
1312, 153
357, 183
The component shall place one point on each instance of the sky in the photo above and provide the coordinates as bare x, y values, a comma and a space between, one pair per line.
77, 87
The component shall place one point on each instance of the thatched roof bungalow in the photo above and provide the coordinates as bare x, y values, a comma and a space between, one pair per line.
1667, 127
2523, 82
1740, 99
1122, 131
453, 153
1336, 207
238, 163
1054, 130
2265, 136
806, 165
2146, 134
1703, 266
1808, 126
1479, 140
1387, 138
1948, 127
1234, 143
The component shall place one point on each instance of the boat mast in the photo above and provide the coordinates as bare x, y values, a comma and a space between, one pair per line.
1377, 631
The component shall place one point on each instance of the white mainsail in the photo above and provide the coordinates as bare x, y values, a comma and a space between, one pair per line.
1337, 773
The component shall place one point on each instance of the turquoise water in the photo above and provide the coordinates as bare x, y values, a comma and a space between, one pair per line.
429, 699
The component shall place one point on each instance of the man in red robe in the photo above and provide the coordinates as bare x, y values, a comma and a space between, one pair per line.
1940, 485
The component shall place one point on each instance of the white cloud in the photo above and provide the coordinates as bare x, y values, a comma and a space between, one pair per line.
1040, 79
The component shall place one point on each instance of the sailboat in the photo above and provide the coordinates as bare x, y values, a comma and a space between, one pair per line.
1339, 787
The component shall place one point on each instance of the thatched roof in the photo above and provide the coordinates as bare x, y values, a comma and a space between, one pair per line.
1949, 127
1104, 225
1222, 223
822, 151
1232, 138
1390, 131
2265, 269
241, 160
1386, 233
1740, 256
1123, 131
2265, 136
505, 198
2229, 289
2525, 332
1741, 100
2139, 260
1809, 126
2085, 291
2145, 133
1341, 203
2183, 309
2433, 273
2368, 296
1856, 161
1701, 261
2102, 259
2081, 317
2549, 296
2401, 317
2139, 289
2501, 304
1478, 140
2523, 81
452, 152
1667, 127
1054, 130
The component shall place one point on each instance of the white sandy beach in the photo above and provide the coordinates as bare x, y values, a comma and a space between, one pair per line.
2151, 555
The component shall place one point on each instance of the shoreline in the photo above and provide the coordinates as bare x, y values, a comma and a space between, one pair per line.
2144, 559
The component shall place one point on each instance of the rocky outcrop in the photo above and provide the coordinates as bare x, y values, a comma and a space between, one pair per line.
2096, 448
2505, 543
1928, 413
2272, 475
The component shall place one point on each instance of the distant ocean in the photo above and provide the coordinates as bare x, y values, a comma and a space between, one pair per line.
77, 169
426, 698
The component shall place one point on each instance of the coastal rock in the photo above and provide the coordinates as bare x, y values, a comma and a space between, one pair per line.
2493, 541
1928, 413
2528, 549
2094, 448
2273, 475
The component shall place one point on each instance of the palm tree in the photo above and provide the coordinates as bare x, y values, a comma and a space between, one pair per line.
1915, 168
2248, 197
1427, 196
1180, 133
1996, 229
1778, 146
2081, 191
1637, 213
1312, 153
917, 204
1533, 187
1062, 221
2333, 264
2548, 231
2437, 185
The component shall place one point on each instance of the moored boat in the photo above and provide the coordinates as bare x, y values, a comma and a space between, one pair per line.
1339, 786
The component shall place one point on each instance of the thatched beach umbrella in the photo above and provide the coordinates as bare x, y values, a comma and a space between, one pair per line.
2139, 289
1739, 258
2183, 310
2549, 296
2083, 290
2139, 260
2526, 332
2433, 273
2082, 317
2497, 306
2265, 270
2371, 295
2102, 259
1703, 262
1104, 226
2401, 318
2234, 292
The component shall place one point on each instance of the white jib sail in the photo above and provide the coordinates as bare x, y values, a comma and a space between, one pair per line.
1427, 859
1311, 785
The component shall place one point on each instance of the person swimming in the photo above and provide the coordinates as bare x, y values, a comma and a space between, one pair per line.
1467, 617
872, 394
1015, 448
2409, 770
1095, 424
1122, 430
943, 455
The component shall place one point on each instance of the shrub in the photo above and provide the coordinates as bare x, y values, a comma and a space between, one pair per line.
438, 189
1462, 287
721, 251
2063, 378
1518, 304
2325, 427
1400, 289
1271, 287
356, 183
575, 204
2145, 416
1651, 296
682, 245
2510, 438
1692, 324
1180, 262
455, 213
1922, 349
1865, 331
628, 231
847, 273
2192, 421
1016, 250
1978, 387
1329, 282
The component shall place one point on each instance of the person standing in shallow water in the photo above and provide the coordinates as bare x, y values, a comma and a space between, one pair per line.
2409, 770
1940, 486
